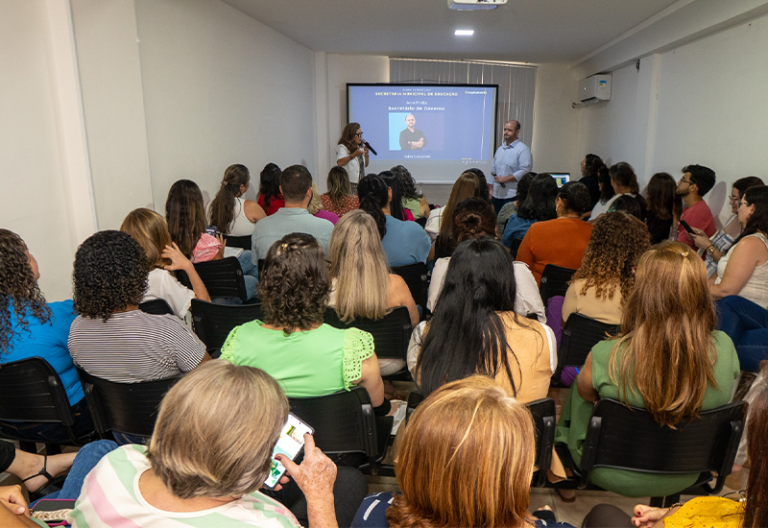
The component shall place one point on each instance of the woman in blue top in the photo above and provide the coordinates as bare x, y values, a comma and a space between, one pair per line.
538, 206
30, 327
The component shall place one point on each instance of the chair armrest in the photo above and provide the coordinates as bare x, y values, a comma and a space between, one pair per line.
590, 450
737, 428
546, 445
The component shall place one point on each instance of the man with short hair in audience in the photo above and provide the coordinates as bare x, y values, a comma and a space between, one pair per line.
696, 182
296, 187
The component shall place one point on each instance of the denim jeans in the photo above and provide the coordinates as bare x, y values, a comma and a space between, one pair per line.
87, 457
746, 323
250, 273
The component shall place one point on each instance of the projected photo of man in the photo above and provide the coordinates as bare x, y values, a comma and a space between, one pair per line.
412, 138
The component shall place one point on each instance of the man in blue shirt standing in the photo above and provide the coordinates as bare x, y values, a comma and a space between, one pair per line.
510, 163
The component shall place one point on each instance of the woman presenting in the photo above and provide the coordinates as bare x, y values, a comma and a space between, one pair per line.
351, 154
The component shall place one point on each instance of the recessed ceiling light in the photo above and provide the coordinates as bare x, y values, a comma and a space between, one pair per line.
464, 32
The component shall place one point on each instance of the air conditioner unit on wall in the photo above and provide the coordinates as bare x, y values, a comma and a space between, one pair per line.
595, 89
474, 5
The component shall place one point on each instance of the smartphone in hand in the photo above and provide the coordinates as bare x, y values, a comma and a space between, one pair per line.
688, 228
289, 444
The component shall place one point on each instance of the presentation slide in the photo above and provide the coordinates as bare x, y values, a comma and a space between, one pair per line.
436, 131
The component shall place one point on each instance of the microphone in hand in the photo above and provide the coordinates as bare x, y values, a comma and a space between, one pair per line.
370, 148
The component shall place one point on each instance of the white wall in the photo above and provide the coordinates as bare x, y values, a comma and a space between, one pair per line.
45, 196
701, 103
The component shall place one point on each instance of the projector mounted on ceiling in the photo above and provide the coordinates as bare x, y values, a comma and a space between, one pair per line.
475, 5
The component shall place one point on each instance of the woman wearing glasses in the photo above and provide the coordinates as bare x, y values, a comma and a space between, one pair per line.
351, 154
743, 270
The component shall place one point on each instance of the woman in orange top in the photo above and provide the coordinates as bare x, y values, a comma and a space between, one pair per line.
561, 241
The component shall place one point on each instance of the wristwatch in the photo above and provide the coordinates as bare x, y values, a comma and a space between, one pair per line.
711, 250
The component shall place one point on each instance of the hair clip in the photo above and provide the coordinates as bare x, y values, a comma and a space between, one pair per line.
284, 246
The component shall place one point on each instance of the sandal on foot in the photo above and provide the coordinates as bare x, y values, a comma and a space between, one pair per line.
50, 481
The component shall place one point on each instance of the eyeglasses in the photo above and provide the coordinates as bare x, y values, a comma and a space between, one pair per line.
683, 180
743, 204
359, 134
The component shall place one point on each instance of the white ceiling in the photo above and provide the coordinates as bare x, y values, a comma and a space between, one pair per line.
537, 31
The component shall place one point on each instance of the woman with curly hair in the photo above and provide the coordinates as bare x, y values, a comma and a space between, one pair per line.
413, 200
30, 327
606, 277
339, 198
112, 338
668, 359
270, 199
185, 214
150, 230
292, 344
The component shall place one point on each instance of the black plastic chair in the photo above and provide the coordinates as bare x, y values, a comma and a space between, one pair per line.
415, 276
242, 242
391, 335
222, 278
514, 246
543, 413
580, 334
345, 424
129, 408
31, 391
213, 322
156, 307
554, 281
621, 437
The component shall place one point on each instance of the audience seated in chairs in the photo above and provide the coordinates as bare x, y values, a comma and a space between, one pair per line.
746, 323
396, 207
270, 196
228, 212
413, 200
362, 286
440, 222
474, 218
112, 338
339, 198
539, 206
150, 230
606, 192
37, 472
466, 460
207, 462
404, 243
669, 360
511, 208
316, 209
292, 344
601, 286
30, 327
561, 241
664, 206
185, 215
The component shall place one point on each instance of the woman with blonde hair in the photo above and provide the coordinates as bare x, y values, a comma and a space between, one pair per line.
339, 198
228, 211
315, 207
668, 359
149, 229
602, 284
362, 286
466, 460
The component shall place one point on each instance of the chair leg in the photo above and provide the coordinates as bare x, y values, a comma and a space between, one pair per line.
657, 502
28, 446
665, 502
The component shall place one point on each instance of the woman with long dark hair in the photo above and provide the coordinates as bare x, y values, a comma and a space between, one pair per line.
539, 206
396, 208
668, 359
185, 215
413, 200
664, 206
465, 186
270, 199
589, 167
475, 330
228, 211
404, 242
606, 192
743, 270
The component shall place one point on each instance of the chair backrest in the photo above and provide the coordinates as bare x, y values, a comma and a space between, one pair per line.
156, 307
391, 335
31, 391
628, 438
554, 281
579, 335
515, 246
543, 412
222, 278
415, 276
213, 322
129, 408
243, 242
343, 422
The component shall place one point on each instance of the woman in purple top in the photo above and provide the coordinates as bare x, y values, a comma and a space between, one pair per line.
315, 207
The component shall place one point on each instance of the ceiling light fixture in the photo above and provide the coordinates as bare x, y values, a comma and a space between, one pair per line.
464, 32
